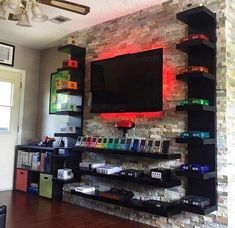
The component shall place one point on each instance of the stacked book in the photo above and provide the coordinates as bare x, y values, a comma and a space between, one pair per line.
35, 161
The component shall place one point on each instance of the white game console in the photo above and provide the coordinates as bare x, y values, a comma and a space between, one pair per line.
84, 189
92, 164
109, 170
65, 174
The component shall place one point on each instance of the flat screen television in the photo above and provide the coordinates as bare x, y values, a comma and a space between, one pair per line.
128, 83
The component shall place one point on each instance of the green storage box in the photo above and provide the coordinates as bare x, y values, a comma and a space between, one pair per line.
45, 188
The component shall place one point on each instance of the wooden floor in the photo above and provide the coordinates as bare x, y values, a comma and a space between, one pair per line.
28, 211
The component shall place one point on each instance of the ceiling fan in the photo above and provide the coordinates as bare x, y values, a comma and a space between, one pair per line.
66, 5
18, 9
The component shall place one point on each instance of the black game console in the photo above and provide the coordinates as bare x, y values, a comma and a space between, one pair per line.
161, 174
157, 206
132, 173
165, 146
117, 194
197, 201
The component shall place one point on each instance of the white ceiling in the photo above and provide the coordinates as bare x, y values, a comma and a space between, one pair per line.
48, 34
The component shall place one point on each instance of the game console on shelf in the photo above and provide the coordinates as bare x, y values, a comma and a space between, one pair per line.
158, 206
197, 201
197, 168
70, 63
108, 169
65, 174
84, 189
128, 144
67, 107
195, 134
132, 173
68, 128
117, 194
91, 164
194, 37
194, 101
190, 69
161, 174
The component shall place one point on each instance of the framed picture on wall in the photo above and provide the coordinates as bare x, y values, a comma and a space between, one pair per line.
53, 94
57, 98
7, 53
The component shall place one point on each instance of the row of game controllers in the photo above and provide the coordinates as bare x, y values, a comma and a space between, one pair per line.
194, 101
195, 134
196, 201
197, 168
144, 145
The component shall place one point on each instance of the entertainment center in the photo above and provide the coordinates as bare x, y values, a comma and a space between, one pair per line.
200, 137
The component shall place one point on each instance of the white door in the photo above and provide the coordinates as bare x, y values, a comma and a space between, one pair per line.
9, 121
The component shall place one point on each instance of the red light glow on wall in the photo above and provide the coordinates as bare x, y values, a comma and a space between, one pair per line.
168, 78
131, 115
119, 50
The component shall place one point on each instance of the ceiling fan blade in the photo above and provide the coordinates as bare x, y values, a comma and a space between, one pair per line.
13, 17
69, 6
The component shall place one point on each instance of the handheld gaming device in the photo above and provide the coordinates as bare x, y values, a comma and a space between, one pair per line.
128, 144
99, 143
104, 143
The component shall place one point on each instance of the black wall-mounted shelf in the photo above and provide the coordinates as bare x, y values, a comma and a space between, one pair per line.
64, 181
195, 75
145, 180
134, 204
204, 176
70, 135
199, 45
195, 141
70, 91
195, 108
72, 49
163, 156
197, 210
35, 148
197, 16
74, 70
200, 20
68, 113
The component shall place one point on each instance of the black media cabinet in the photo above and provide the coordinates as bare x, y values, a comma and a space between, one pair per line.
46, 177
200, 118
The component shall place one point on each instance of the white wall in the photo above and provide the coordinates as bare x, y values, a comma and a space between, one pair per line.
28, 59
51, 59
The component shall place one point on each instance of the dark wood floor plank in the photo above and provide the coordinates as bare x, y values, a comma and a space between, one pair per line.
30, 211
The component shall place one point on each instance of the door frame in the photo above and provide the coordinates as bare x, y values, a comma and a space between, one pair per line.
21, 104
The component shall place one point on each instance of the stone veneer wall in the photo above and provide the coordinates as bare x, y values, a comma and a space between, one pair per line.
230, 112
148, 29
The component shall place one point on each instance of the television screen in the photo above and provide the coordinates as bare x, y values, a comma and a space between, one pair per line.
128, 83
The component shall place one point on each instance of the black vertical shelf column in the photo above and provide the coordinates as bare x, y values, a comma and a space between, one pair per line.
77, 74
201, 20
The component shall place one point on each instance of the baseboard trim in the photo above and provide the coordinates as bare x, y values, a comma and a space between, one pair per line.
5, 189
